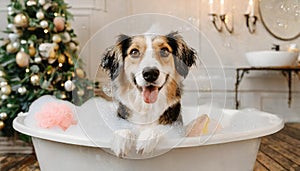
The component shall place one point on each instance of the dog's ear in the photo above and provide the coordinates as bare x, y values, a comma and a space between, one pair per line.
113, 56
110, 62
184, 56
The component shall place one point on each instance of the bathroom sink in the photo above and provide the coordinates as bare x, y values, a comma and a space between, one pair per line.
271, 58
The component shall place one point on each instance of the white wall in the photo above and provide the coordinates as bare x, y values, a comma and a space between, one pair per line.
263, 90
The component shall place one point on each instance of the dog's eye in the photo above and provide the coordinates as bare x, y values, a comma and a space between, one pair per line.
164, 52
134, 53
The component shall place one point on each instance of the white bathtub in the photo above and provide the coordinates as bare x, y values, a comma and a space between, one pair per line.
234, 147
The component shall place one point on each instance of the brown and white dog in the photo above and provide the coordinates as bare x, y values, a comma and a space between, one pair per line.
147, 73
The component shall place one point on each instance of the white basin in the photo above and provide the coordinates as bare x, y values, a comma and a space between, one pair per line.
271, 58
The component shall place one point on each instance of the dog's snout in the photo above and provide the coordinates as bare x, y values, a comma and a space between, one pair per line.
150, 74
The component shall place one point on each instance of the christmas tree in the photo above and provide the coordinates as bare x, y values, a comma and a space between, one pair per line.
38, 57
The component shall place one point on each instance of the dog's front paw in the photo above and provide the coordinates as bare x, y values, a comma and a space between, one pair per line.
122, 142
147, 141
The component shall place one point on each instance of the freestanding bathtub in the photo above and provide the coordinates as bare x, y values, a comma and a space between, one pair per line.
233, 147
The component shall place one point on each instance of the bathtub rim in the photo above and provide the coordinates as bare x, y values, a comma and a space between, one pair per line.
18, 124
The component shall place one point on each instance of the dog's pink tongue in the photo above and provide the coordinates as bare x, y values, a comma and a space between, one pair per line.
150, 94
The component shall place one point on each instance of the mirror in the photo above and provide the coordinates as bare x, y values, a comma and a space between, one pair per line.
281, 18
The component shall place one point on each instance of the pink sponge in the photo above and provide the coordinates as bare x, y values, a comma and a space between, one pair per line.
55, 114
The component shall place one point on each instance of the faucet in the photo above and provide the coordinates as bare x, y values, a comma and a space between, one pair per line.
275, 47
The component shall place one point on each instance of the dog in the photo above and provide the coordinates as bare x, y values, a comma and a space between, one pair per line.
146, 72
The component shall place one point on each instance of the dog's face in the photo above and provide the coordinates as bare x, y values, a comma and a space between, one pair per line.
149, 62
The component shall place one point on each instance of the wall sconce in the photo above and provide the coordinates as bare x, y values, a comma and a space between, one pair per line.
251, 23
222, 19
250, 17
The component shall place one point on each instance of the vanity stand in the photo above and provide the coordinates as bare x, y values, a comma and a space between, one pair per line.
285, 70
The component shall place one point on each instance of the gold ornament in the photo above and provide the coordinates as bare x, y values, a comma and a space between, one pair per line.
3, 116
80, 73
52, 58
55, 46
21, 20
68, 26
61, 58
59, 23
35, 80
1, 125
22, 59
70, 61
32, 51
56, 38
11, 49
63, 95
6, 90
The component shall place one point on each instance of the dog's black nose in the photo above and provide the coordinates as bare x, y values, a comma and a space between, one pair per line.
150, 74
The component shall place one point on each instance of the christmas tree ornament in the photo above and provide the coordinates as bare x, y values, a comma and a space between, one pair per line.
22, 59
9, 105
22, 90
44, 24
69, 85
56, 38
80, 73
66, 37
21, 20
2, 74
4, 97
46, 6
61, 58
3, 116
6, 90
11, 27
32, 51
68, 26
70, 61
2, 125
42, 2
10, 10
16, 45
55, 46
46, 49
59, 23
13, 36
40, 15
31, 3
23, 42
80, 92
46, 31
35, 68
38, 59
35, 80
72, 46
11, 49
62, 95
3, 83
